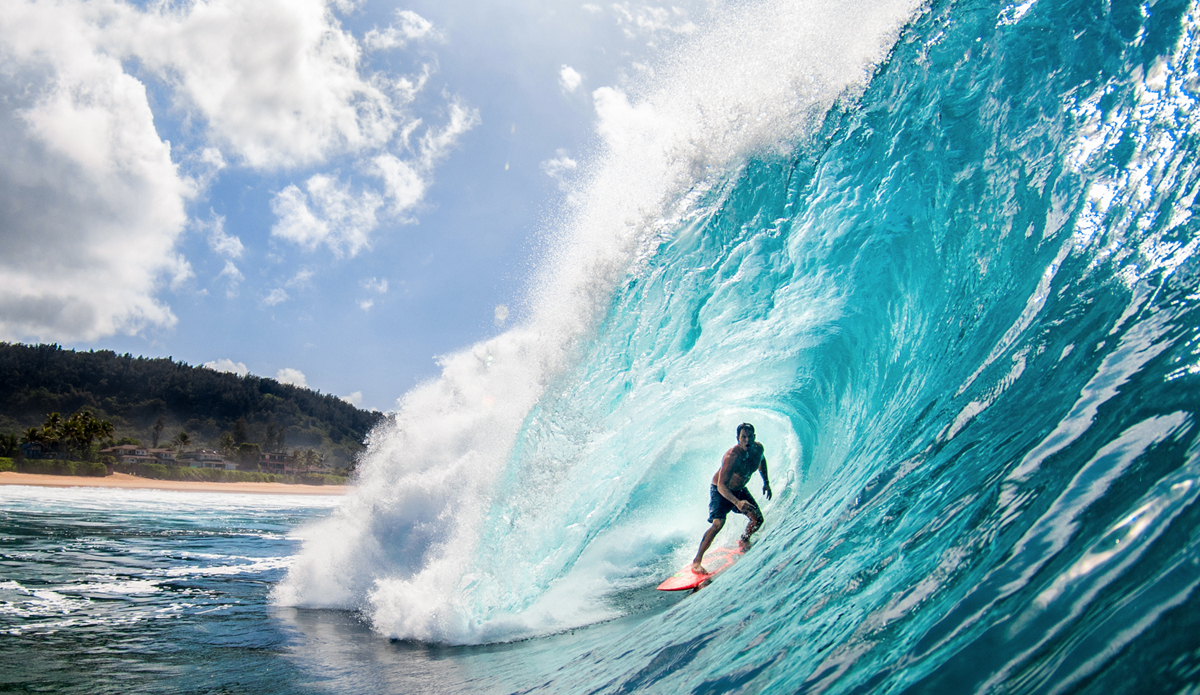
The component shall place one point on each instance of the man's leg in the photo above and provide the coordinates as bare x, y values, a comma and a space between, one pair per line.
706, 541
756, 521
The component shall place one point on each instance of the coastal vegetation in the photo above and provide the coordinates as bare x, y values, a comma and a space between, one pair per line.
76, 403
155, 471
93, 469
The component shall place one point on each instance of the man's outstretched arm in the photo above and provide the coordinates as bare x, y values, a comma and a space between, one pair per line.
762, 470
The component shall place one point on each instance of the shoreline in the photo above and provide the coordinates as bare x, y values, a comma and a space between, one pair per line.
132, 482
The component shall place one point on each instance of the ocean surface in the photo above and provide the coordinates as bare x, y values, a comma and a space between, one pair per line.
943, 256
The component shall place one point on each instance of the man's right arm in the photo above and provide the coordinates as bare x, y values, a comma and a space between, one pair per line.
723, 476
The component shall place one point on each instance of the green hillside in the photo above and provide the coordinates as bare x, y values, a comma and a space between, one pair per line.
136, 393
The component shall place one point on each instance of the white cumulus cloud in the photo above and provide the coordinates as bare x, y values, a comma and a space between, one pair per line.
93, 200
227, 365
91, 204
287, 375
333, 214
354, 399
569, 79
328, 212
277, 82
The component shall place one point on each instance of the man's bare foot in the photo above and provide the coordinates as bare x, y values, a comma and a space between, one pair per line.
698, 568
744, 544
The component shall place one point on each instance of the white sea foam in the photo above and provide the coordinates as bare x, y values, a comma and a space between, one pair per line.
419, 545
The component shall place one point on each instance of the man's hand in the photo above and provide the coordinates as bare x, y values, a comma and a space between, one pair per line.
743, 505
767, 490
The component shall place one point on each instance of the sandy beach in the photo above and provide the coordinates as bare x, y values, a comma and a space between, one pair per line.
124, 480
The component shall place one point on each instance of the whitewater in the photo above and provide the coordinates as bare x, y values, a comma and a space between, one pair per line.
943, 256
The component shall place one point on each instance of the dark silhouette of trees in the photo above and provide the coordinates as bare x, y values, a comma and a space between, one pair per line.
135, 394
72, 436
239, 431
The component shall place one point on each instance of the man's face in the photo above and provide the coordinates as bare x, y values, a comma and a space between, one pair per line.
744, 438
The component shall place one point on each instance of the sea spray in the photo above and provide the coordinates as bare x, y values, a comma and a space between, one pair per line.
458, 529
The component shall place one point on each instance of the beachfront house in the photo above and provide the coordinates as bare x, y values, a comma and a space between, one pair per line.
277, 463
205, 458
38, 450
129, 453
136, 453
163, 456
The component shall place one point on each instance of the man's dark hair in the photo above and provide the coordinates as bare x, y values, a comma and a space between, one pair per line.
745, 426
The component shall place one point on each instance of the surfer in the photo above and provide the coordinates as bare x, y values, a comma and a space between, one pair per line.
728, 491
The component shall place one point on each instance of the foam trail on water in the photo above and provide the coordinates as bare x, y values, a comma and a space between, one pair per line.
452, 483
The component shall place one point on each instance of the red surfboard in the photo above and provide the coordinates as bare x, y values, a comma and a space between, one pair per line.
716, 561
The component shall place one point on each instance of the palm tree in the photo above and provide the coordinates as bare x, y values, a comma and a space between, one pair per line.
52, 432
83, 428
53, 423
227, 446
104, 430
181, 440
159, 424
8, 444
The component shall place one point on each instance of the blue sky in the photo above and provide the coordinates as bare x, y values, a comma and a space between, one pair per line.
332, 193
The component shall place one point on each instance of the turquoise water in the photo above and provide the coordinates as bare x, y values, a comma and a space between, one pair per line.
942, 256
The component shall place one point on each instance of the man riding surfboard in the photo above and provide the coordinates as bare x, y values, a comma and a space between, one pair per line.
728, 491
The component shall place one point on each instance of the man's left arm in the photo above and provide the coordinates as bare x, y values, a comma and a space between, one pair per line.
762, 470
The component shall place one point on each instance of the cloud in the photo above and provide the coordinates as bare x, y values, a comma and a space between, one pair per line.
330, 213
90, 202
366, 304
233, 277
405, 185
227, 365
501, 314
275, 296
231, 271
93, 200
287, 375
436, 144
276, 82
221, 243
354, 399
302, 278
569, 79
326, 213
376, 285
648, 23
559, 167
412, 27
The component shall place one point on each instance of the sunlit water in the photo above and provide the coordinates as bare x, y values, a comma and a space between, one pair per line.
943, 256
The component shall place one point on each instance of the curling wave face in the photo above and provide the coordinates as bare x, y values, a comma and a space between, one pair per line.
958, 302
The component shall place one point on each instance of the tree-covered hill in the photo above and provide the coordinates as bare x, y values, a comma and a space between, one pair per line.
136, 393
